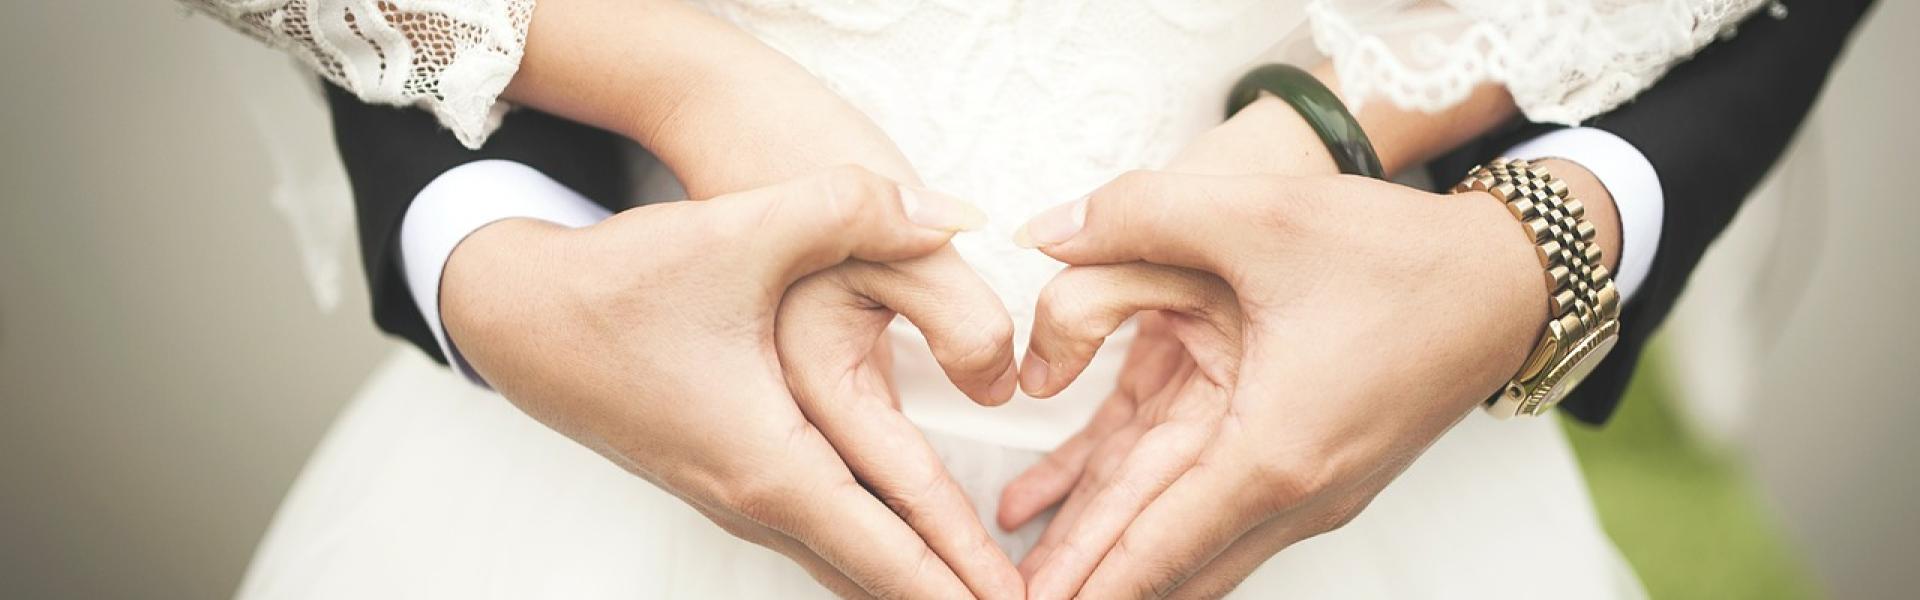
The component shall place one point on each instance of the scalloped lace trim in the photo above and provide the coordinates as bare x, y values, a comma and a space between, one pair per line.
1563, 60
451, 57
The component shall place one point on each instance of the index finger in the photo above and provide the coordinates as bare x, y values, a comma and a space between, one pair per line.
829, 512
1203, 513
852, 409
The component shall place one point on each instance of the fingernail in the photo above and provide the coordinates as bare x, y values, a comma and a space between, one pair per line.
1002, 388
1056, 225
1033, 374
934, 210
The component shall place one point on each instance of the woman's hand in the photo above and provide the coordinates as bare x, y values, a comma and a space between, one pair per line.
655, 333
724, 112
829, 334
1372, 317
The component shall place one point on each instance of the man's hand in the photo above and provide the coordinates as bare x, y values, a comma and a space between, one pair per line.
1266, 136
650, 338
1370, 318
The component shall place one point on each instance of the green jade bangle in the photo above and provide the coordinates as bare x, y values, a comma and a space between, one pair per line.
1320, 107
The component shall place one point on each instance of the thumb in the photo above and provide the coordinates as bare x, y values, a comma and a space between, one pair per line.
790, 229
1081, 306
964, 321
1174, 219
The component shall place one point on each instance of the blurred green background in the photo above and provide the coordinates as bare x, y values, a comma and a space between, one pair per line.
1685, 515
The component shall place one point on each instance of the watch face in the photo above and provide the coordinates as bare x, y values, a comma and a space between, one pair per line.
1586, 357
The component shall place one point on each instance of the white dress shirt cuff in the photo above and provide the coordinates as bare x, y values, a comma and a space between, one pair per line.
460, 202
1628, 177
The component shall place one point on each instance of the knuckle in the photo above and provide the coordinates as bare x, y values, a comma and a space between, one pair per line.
1212, 588
1287, 207
926, 566
724, 221
1342, 513
997, 334
887, 587
1111, 454
1160, 574
853, 179
740, 528
979, 348
761, 499
913, 496
1135, 182
1120, 199
1285, 484
760, 491
1332, 520
1065, 306
850, 191
819, 286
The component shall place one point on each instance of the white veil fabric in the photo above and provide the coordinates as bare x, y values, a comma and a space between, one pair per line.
1562, 60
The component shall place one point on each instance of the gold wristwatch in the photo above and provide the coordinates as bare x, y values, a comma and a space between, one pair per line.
1583, 307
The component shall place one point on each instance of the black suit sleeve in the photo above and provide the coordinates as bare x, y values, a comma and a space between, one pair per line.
392, 153
1712, 128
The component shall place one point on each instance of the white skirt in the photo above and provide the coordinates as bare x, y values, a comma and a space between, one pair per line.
428, 487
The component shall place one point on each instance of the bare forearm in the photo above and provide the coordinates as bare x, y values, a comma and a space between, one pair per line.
722, 110
1408, 138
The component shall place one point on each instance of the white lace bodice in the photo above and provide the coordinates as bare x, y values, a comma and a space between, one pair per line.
1018, 106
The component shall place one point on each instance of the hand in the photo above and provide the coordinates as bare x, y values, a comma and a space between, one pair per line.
650, 339
704, 114
1266, 136
1156, 421
829, 334
1373, 317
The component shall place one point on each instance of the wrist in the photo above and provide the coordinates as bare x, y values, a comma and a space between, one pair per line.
1601, 212
1267, 136
694, 90
1511, 290
483, 289
1582, 322
762, 142
1404, 138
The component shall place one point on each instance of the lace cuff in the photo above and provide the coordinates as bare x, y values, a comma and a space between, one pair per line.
1563, 60
451, 57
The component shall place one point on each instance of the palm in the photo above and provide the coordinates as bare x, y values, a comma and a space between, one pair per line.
1174, 389
829, 335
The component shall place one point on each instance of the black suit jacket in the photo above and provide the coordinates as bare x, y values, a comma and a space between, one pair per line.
1712, 128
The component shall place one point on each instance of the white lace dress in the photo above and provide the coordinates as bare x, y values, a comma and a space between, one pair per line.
430, 487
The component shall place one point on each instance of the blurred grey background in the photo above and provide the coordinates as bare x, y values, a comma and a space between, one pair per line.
164, 370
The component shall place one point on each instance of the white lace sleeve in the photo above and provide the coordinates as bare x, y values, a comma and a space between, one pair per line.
1563, 60
451, 57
